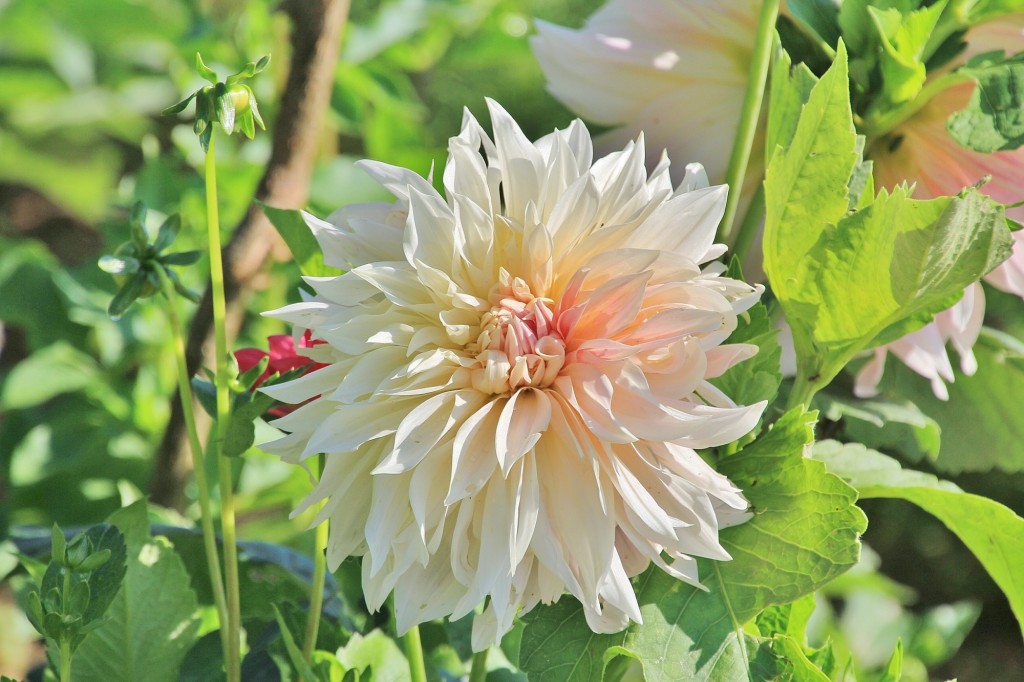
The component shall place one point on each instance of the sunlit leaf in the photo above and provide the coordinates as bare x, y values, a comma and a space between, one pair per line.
994, 117
994, 533
299, 238
152, 620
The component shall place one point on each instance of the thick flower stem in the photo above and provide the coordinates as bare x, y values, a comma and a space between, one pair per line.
808, 382
414, 653
316, 595
478, 673
232, 659
747, 128
198, 460
65, 659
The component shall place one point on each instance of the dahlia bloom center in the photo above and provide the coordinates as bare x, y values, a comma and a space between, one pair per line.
519, 344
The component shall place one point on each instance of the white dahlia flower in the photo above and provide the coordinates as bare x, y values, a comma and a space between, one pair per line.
516, 380
665, 67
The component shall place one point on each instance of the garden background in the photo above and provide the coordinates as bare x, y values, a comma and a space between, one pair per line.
85, 402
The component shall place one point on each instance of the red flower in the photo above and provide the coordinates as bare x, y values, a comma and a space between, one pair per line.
283, 358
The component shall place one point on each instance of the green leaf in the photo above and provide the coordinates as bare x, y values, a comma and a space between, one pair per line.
806, 184
95, 560
153, 619
294, 651
821, 16
204, 71
862, 185
881, 424
800, 668
225, 108
137, 227
804, 532
894, 668
849, 280
181, 258
254, 111
206, 393
787, 619
179, 107
245, 124
378, 653
899, 257
994, 117
169, 229
756, 378
104, 582
241, 432
181, 288
297, 235
127, 294
980, 429
58, 546
903, 36
56, 369
993, 533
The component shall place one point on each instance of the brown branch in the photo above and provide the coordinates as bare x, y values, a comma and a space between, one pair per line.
315, 40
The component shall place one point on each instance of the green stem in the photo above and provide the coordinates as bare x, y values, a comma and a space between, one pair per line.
198, 461
801, 393
65, 659
478, 673
316, 596
227, 521
227, 514
414, 652
876, 125
807, 383
65, 641
745, 132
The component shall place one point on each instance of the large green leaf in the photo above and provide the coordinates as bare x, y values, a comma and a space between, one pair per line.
994, 117
980, 427
790, 88
756, 378
885, 425
806, 184
58, 368
153, 620
899, 257
851, 274
803, 533
990, 530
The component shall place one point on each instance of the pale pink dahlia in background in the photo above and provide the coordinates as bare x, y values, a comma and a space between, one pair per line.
516, 380
922, 151
675, 70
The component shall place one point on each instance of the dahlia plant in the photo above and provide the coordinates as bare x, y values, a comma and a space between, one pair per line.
538, 408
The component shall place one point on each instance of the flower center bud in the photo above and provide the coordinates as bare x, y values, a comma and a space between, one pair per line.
518, 344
